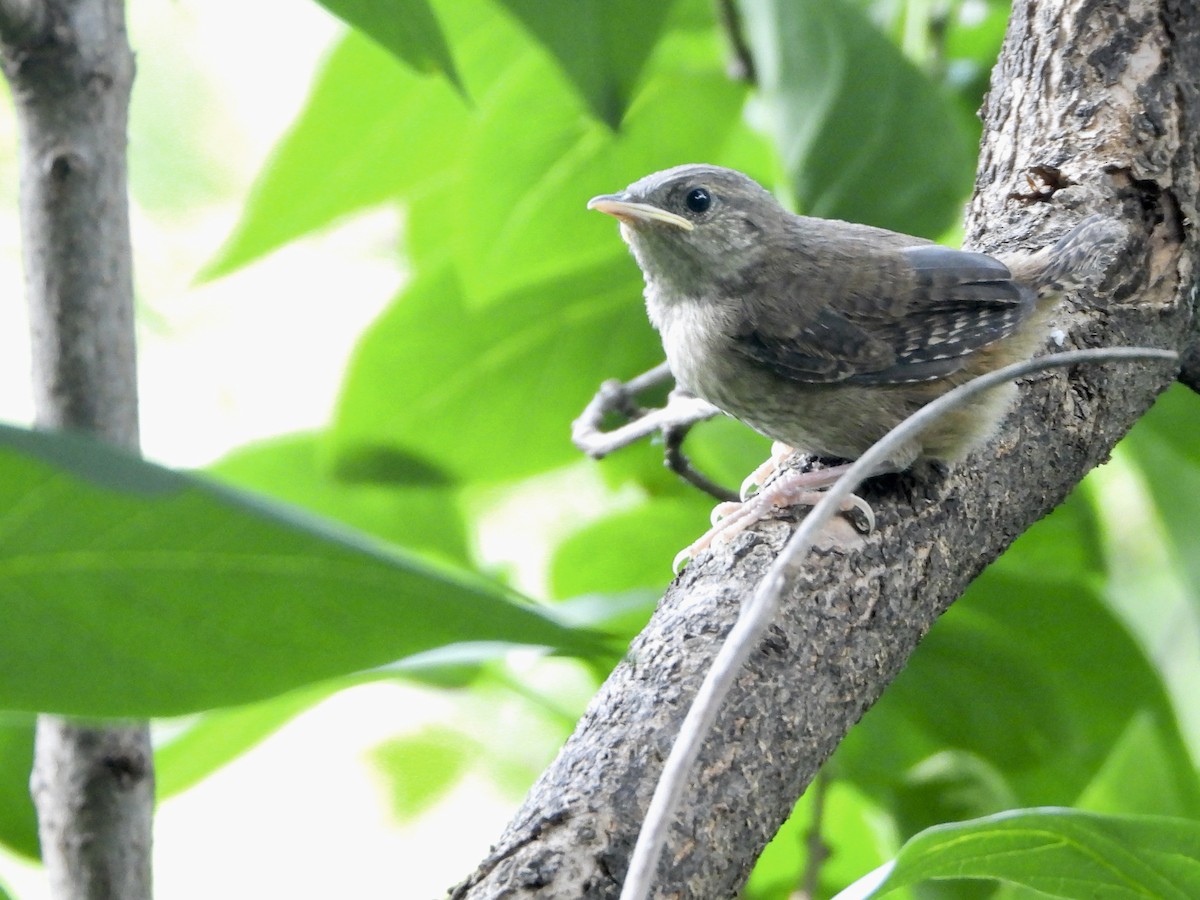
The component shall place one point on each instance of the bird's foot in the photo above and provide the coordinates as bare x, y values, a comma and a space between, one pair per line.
785, 489
768, 470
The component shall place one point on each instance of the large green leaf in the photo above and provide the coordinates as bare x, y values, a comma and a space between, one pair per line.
408, 29
18, 820
1059, 852
601, 45
127, 589
863, 134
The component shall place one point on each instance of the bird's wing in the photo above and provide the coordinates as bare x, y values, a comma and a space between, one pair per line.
916, 319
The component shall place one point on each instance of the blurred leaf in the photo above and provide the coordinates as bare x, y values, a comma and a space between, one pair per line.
217, 738
1060, 852
422, 768
129, 589
601, 45
862, 133
18, 819
1144, 773
421, 515
408, 29
487, 394
620, 614
1166, 445
1012, 651
853, 830
1145, 500
726, 451
628, 549
1067, 543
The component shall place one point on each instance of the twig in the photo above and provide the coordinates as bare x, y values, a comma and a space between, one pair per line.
761, 609
814, 842
741, 64
673, 436
673, 421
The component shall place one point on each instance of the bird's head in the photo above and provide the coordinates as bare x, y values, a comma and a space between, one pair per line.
695, 226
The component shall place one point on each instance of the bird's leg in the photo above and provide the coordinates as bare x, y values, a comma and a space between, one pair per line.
780, 489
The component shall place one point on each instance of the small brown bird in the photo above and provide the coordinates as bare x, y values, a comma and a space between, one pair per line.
822, 334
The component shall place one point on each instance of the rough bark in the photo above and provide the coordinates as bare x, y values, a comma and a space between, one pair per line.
1098, 103
71, 70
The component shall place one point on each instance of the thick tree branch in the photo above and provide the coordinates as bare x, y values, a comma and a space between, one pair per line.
1106, 95
71, 70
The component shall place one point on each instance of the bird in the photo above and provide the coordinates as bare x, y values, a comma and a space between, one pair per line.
823, 334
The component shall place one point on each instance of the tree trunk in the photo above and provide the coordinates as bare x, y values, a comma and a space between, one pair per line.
1098, 104
71, 69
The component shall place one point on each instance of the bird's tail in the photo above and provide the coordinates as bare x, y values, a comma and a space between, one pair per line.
1080, 259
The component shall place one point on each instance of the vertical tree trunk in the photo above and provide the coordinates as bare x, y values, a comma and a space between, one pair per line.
71, 71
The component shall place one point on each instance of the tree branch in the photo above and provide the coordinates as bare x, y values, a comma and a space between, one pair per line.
1105, 94
71, 71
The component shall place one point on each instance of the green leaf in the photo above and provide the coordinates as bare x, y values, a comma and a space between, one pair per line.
863, 134
127, 589
421, 515
1145, 503
1145, 773
628, 549
408, 29
352, 146
487, 394
601, 45
422, 768
18, 820
1009, 677
852, 832
526, 187
1060, 852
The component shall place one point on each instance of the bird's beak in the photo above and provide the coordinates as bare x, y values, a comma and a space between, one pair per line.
633, 213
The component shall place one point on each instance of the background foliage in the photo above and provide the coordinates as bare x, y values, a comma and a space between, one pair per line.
1066, 677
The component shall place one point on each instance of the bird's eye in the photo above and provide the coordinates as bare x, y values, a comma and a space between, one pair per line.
698, 200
